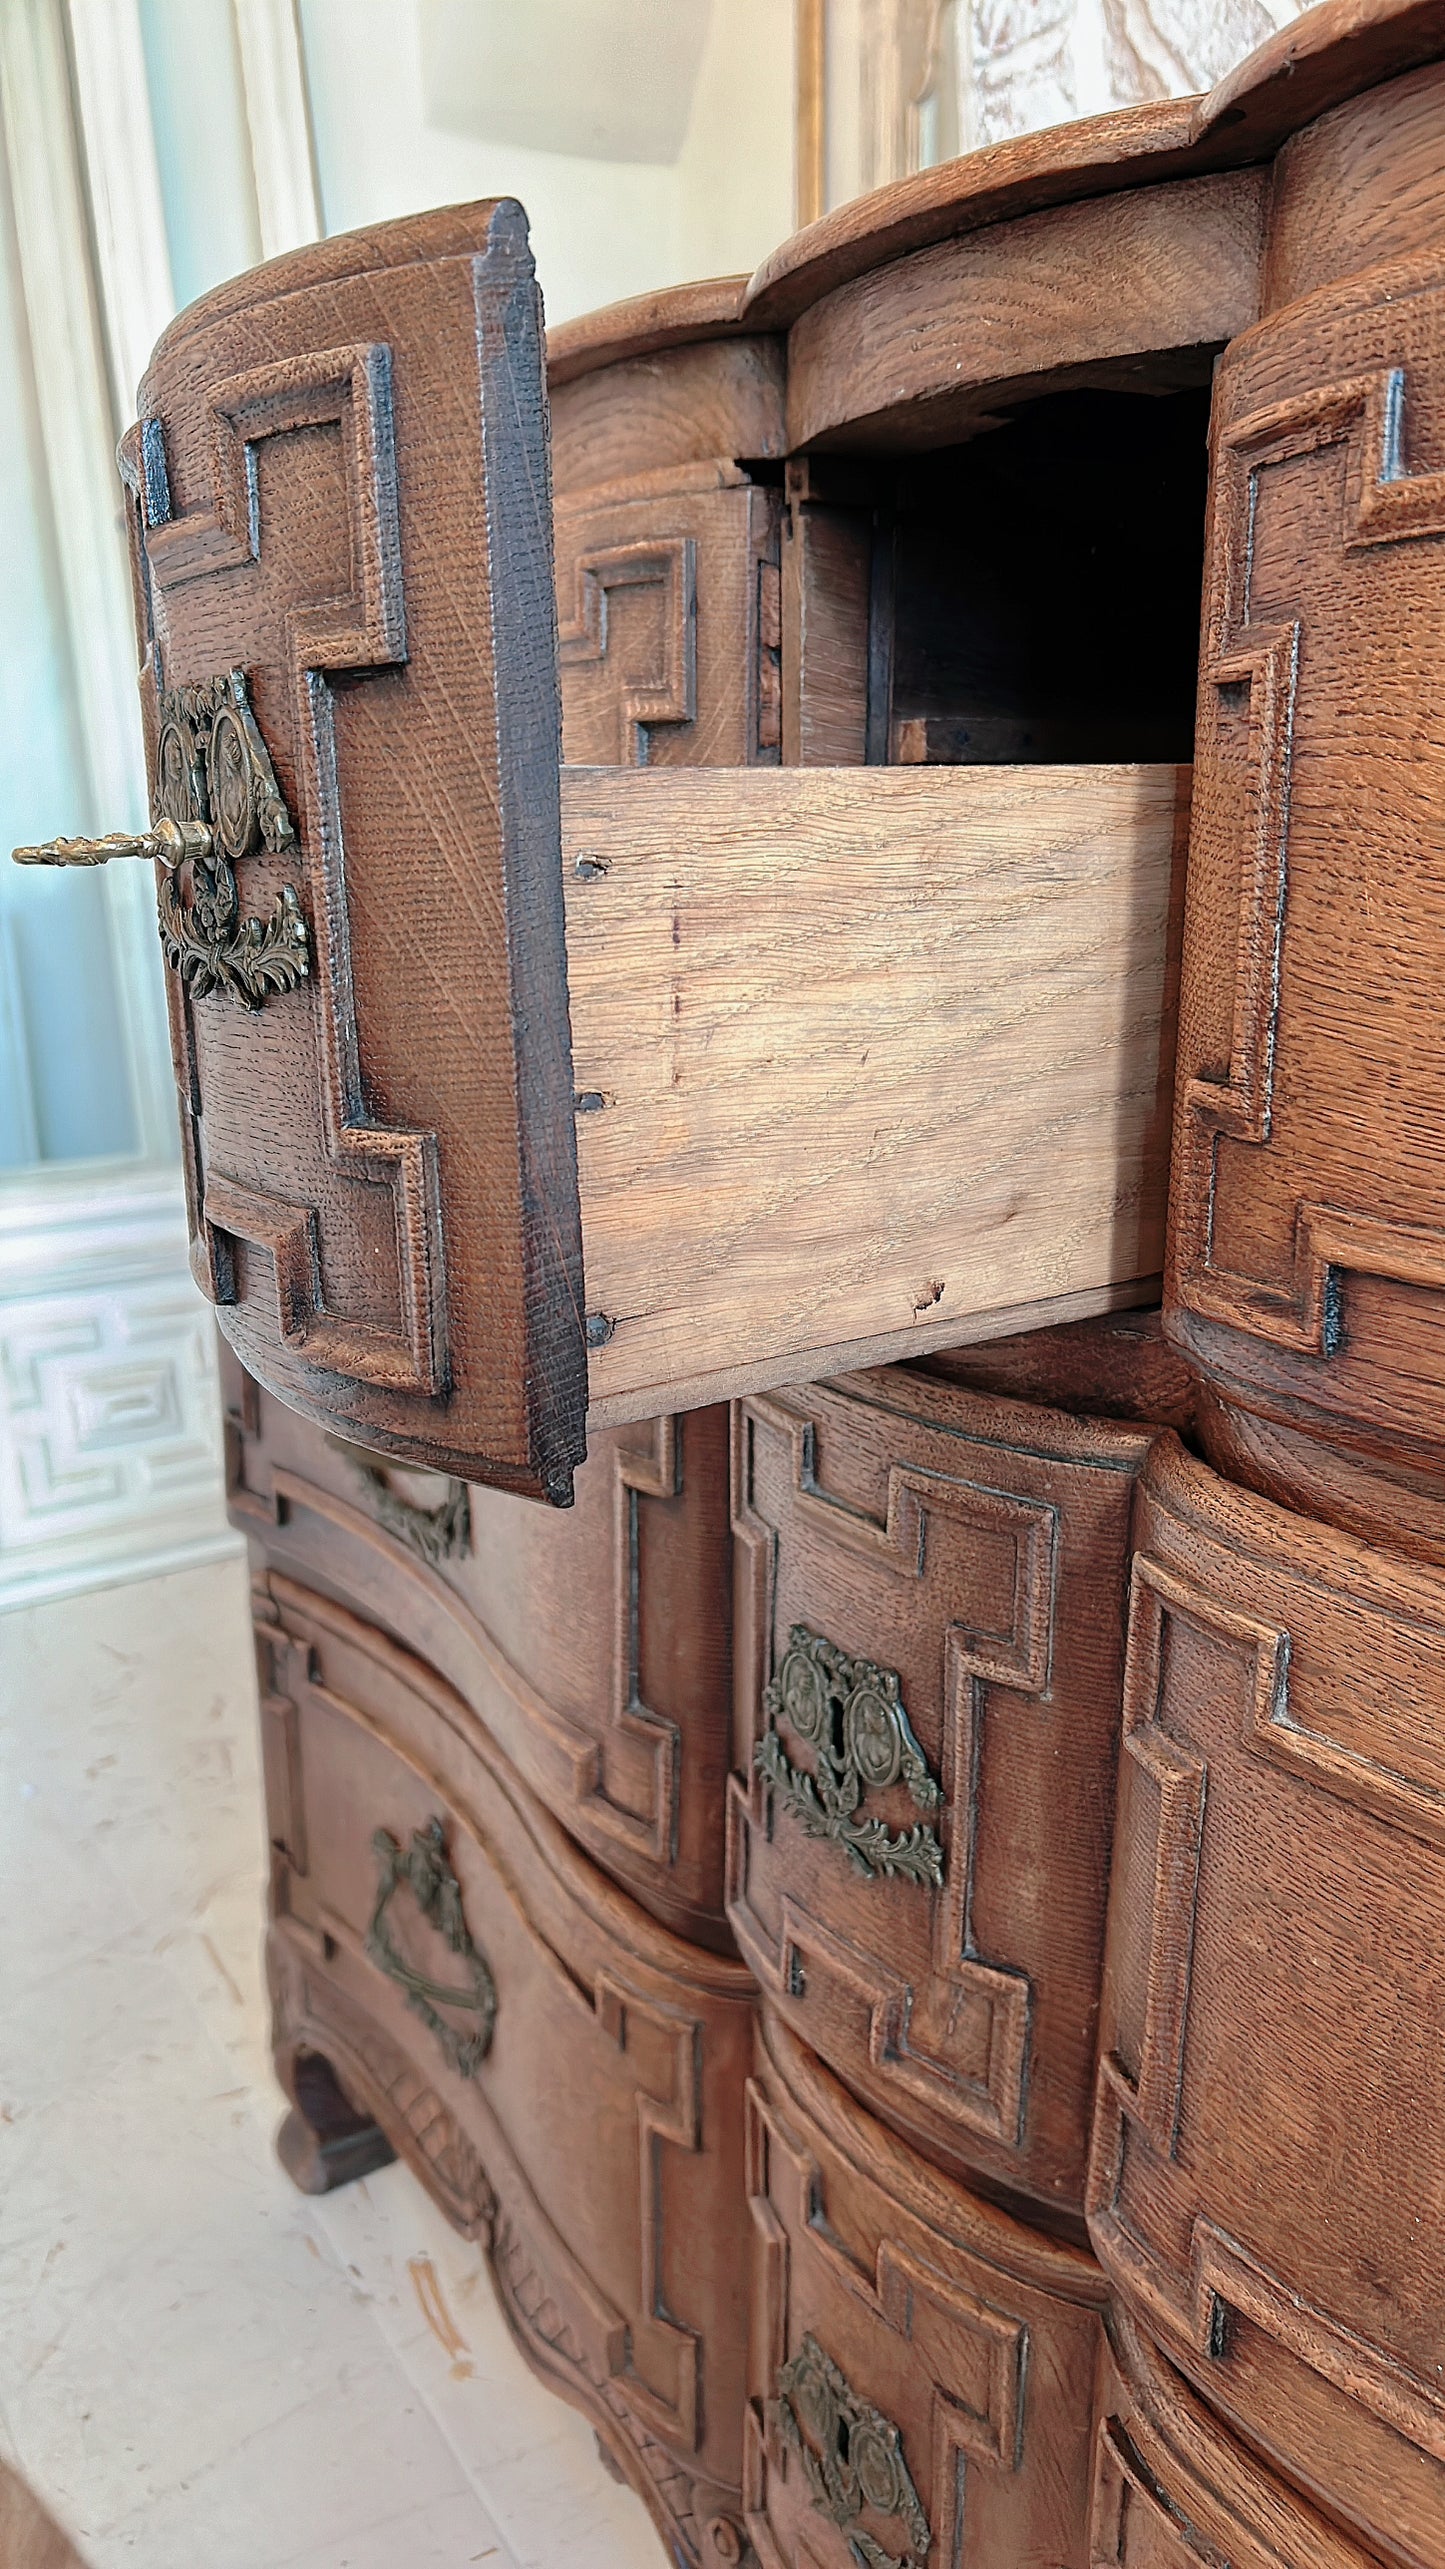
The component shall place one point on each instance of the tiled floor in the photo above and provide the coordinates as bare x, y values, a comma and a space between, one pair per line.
196, 2363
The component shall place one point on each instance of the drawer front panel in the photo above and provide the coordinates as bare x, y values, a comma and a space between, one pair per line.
1307, 1257
594, 1645
340, 506
930, 1628
921, 2366
674, 406
586, 2116
1172, 2489
667, 612
1267, 2187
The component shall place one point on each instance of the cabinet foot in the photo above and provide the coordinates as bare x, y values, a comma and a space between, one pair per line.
324, 2142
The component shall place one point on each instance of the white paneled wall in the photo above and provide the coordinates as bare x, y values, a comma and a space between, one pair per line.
109, 1443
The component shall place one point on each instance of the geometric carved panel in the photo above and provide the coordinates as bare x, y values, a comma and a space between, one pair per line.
660, 642
593, 1646
1307, 1256
1264, 2199
617, 2216
973, 1549
340, 489
975, 2337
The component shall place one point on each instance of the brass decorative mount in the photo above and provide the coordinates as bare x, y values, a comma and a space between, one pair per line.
851, 1714
427, 1874
852, 2457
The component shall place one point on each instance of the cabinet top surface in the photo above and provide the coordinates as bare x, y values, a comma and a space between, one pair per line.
1324, 57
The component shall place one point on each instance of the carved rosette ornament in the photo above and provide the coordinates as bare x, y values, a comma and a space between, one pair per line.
216, 801
424, 1870
852, 2458
850, 1714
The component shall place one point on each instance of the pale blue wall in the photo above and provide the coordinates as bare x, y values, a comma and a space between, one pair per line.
193, 74
64, 1084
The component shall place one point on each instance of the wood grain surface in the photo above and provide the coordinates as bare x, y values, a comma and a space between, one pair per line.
1267, 2191
975, 1550
1171, 2488
594, 1643
722, 398
1329, 54
1307, 1218
644, 325
1102, 293
341, 488
595, 2148
878, 1051
967, 2336
1121, 1366
1363, 186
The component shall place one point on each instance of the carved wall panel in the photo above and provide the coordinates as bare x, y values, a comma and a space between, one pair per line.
1268, 2180
315, 507
109, 1438
929, 1622
1308, 1254
921, 2366
594, 1645
593, 2129
666, 604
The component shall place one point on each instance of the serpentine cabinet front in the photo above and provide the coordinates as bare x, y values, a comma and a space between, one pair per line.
906, 1919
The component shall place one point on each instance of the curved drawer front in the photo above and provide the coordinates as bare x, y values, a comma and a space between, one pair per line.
1268, 2179
1307, 1251
922, 2366
684, 400
667, 603
594, 1644
930, 1642
343, 570
1171, 2488
564, 2074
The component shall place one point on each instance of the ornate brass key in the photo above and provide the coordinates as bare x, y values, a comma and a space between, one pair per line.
170, 842
219, 802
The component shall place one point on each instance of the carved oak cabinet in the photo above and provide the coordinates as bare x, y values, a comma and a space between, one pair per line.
906, 1917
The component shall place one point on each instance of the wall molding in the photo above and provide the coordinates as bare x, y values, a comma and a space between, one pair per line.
110, 1419
278, 115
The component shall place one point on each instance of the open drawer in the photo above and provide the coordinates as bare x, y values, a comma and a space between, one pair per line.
516, 1096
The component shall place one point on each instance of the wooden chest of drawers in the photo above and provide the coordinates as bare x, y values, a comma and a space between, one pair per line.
909, 1920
